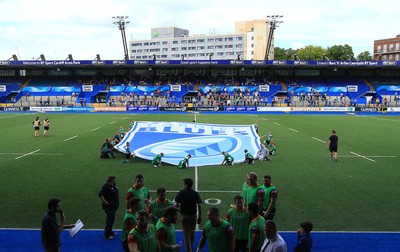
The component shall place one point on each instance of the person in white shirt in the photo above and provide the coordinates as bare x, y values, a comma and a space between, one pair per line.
274, 242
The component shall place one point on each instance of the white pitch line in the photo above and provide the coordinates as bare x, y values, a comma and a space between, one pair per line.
27, 154
125, 118
352, 156
95, 128
362, 156
35, 154
113, 122
276, 123
322, 141
266, 119
70, 138
294, 130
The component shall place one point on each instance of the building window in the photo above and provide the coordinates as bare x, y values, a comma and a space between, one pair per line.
191, 41
183, 41
252, 45
165, 49
210, 47
201, 55
165, 42
397, 46
210, 40
220, 54
218, 39
174, 49
175, 42
184, 48
200, 48
229, 39
200, 41
379, 48
163, 56
391, 47
146, 44
239, 38
384, 48
239, 46
218, 47
230, 53
228, 46
252, 37
137, 44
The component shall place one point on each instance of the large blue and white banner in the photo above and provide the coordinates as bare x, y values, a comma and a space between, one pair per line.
205, 142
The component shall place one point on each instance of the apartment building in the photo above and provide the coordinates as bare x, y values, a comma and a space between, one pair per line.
248, 42
387, 49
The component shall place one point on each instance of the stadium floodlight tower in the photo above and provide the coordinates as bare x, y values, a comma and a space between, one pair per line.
273, 23
121, 22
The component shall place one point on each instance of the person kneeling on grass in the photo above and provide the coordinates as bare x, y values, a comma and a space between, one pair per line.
248, 158
157, 160
107, 149
184, 163
228, 159
128, 155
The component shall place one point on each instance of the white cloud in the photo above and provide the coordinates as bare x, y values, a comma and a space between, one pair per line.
85, 28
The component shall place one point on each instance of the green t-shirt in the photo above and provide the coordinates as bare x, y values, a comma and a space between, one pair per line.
228, 158
240, 221
267, 194
257, 225
169, 231
156, 159
248, 155
128, 216
251, 195
183, 163
218, 236
146, 241
245, 187
141, 193
157, 208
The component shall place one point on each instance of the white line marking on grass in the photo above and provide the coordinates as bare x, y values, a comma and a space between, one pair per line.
322, 141
353, 156
95, 128
35, 154
125, 118
113, 122
27, 154
277, 123
266, 119
70, 138
362, 156
294, 130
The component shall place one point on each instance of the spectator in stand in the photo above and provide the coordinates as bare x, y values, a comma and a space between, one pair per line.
304, 238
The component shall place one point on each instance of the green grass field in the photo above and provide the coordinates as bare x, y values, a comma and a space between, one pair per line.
358, 193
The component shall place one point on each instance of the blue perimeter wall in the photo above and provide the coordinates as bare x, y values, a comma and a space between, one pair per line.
92, 240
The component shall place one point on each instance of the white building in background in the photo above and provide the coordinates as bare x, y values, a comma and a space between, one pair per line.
171, 43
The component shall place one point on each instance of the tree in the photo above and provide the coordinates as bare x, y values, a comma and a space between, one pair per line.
311, 52
364, 56
339, 52
284, 54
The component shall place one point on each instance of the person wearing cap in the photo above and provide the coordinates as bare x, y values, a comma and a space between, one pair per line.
184, 163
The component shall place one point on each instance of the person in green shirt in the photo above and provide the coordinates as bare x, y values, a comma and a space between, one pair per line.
228, 159
270, 197
166, 230
256, 229
239, 218
129, 221
248, 158
131, 123
157, 206
143, 236
130, 156
184, 163
138, 190
157, 160
219, 233
121, 131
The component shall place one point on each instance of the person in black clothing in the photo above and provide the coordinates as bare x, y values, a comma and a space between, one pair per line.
106, 149
333, 146
51, 229
188, 201
110, 203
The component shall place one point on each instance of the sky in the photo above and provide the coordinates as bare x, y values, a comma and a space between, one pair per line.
85, 28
